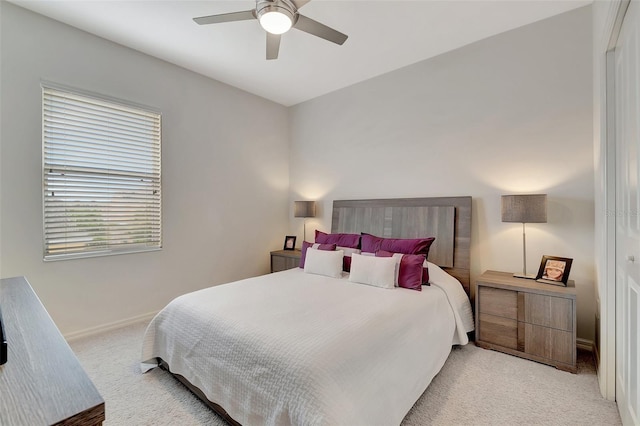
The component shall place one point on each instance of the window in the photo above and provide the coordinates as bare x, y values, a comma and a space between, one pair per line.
101, 173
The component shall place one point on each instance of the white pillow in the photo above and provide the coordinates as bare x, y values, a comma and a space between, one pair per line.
324, 262
375, 271
348, 251
398, 258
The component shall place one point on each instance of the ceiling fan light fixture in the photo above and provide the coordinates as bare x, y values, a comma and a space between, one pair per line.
276, 20
277, 17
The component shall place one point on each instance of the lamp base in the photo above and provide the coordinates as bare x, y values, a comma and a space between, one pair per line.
526, 276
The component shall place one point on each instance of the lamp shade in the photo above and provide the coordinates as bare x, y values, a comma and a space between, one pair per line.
304, 209
524, 208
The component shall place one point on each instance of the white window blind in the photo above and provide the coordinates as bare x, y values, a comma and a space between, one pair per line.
101, 164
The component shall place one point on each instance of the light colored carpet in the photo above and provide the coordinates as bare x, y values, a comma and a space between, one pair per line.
475, 387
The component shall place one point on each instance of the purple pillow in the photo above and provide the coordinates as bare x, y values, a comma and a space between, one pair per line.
344, 240
306, 245
425, 276
346, 260
372, 244
410, 273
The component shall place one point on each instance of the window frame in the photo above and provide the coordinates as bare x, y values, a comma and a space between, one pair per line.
108, 249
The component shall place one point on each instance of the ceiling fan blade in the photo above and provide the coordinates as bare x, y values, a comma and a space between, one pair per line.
310, 26
299, 3
273, 45
225, 17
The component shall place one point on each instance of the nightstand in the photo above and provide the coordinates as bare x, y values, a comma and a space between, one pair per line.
282, 260
526, 318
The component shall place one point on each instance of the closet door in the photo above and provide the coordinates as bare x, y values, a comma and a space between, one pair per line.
627, 101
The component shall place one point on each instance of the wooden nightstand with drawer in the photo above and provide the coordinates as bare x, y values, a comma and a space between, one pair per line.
526, 318
281, 260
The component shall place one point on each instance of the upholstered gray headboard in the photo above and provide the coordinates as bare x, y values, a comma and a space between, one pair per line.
446, 218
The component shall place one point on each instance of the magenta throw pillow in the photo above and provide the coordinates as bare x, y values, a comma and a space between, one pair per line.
344, 240
410, 274
372, 244
425, 276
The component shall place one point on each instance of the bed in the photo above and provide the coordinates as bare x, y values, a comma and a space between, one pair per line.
301, 348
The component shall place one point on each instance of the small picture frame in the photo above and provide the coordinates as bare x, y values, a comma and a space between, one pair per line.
289, 242
554, 270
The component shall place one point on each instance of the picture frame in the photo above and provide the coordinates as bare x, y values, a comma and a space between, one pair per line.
554, 270
289, 242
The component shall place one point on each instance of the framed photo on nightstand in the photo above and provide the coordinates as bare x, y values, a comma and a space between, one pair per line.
289, 242
554, 270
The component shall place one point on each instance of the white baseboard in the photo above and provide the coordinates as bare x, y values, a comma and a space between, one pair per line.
585, 344
107, 327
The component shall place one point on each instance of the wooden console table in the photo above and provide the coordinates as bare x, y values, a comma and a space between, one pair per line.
42, 382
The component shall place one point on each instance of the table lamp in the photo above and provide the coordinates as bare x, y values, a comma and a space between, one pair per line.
304, 209
524, 209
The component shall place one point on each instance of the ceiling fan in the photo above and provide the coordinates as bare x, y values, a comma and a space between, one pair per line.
276, 17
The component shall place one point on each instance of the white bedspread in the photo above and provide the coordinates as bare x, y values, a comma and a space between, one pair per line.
303, 349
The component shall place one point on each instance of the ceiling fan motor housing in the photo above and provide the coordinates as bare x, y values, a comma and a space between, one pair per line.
284, 7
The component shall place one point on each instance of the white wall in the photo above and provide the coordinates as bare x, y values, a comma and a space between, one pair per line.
509, 114
225, 165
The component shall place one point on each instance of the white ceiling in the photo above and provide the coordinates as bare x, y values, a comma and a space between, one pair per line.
383, 36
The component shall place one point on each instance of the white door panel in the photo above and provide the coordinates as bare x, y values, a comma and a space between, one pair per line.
627, 113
